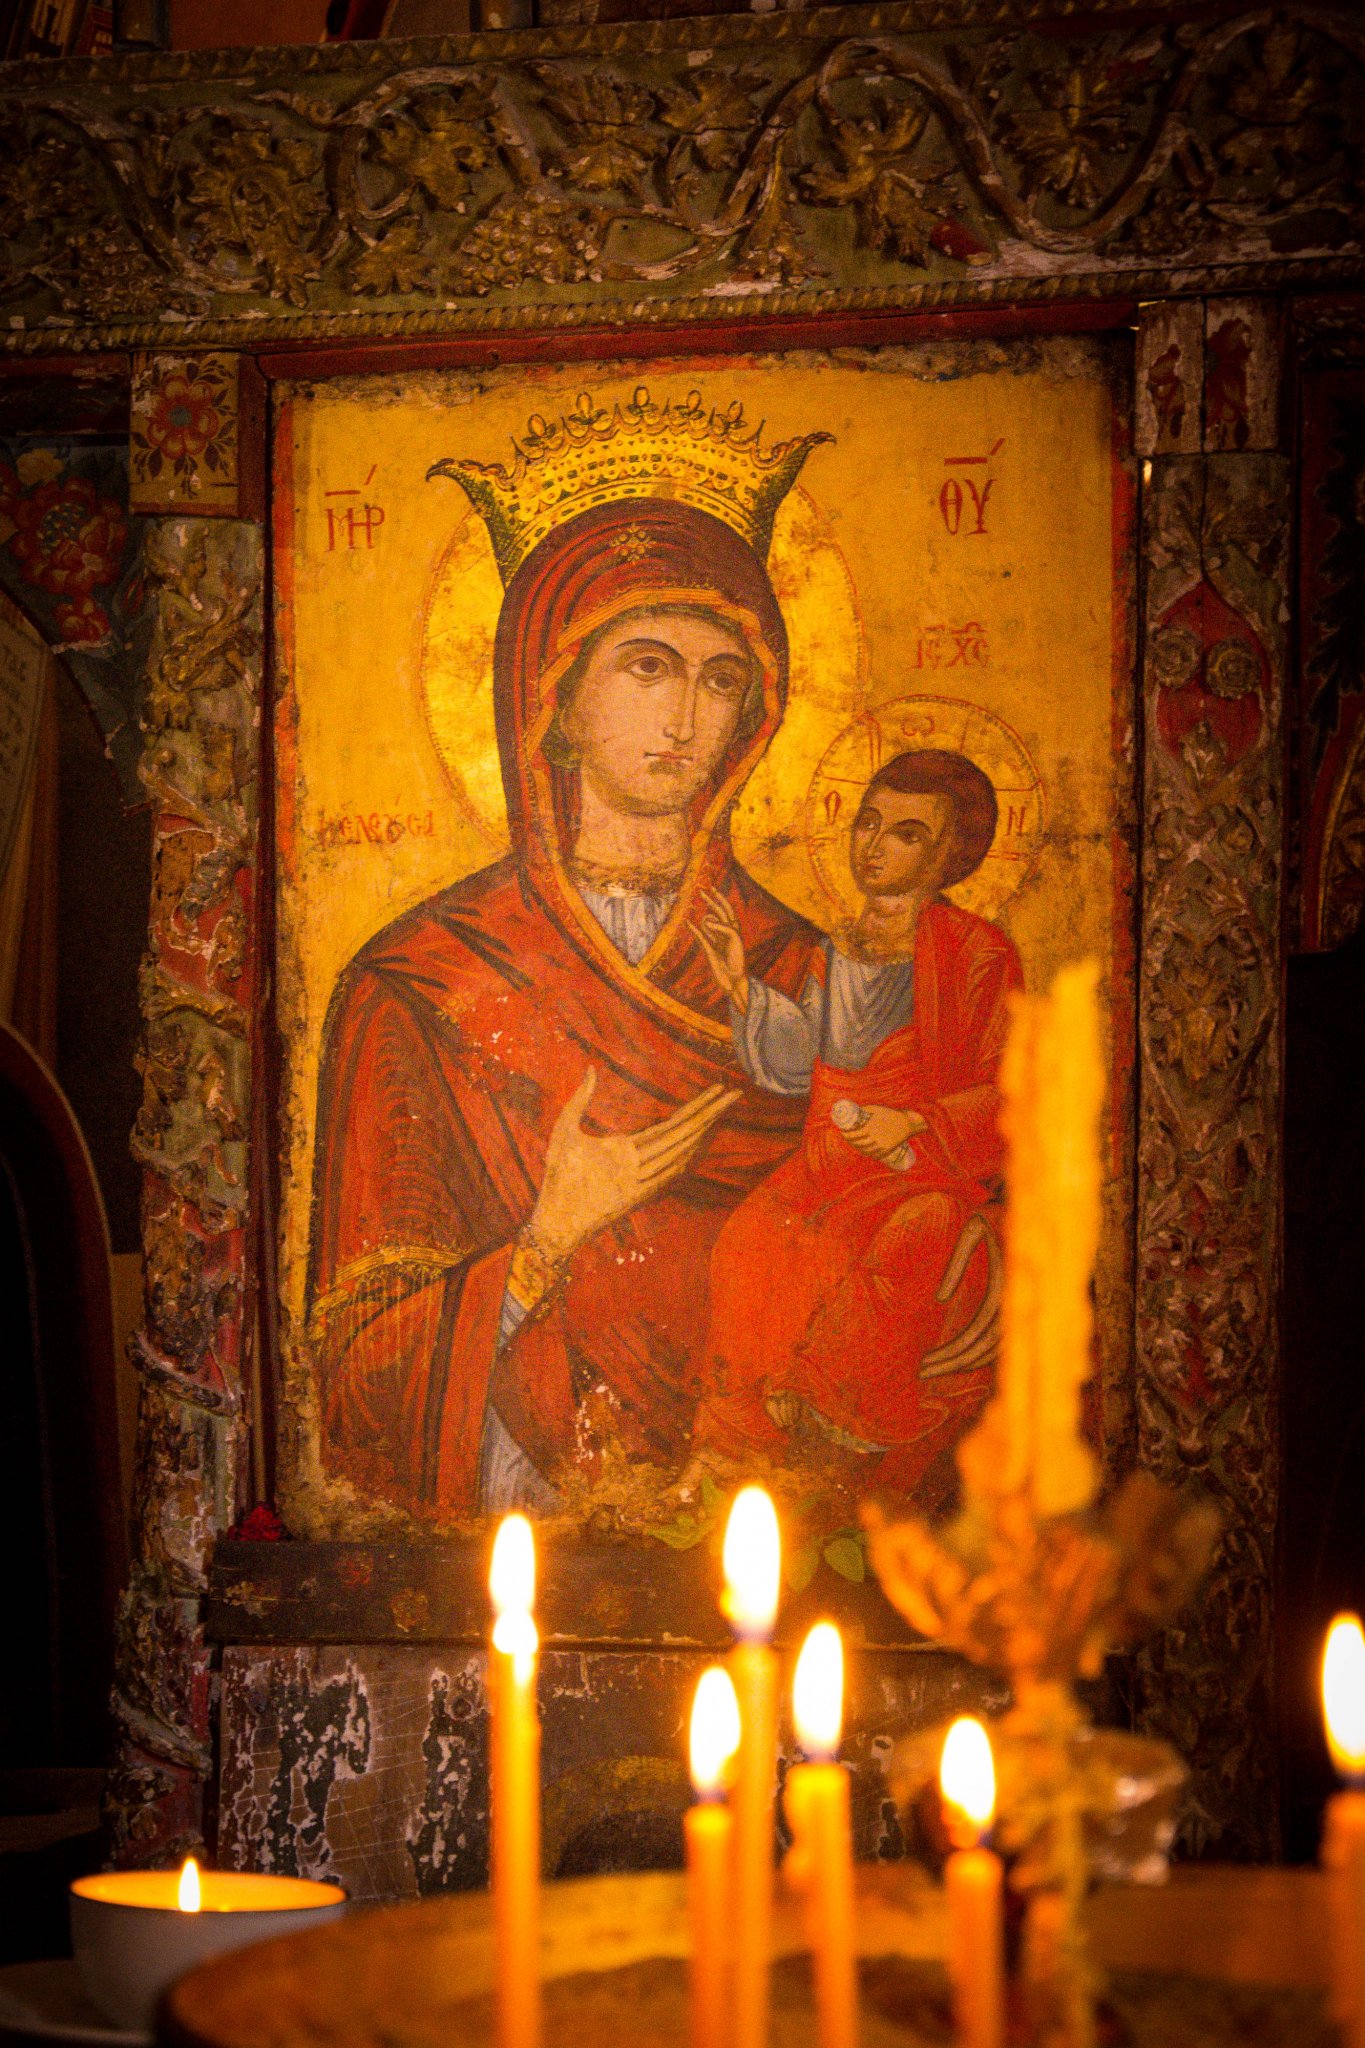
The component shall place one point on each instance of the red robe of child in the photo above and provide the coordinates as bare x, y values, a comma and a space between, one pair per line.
824, 1282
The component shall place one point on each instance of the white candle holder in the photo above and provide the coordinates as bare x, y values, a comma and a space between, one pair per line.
131, 1940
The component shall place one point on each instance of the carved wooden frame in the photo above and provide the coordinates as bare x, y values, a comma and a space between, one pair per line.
777, 178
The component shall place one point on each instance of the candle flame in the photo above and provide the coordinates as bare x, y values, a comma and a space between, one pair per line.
753, 1563
516, 1635
818, 1691
714, 1734
512, 1584
512, 1574
1343, 1694
966, 1777
189, 1896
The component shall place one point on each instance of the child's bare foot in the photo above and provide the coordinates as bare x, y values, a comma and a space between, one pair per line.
685, 1491
796, 1416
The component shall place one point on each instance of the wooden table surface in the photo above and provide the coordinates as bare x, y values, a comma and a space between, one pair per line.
347, 1984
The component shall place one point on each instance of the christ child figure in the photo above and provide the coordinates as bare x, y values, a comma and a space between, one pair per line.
844, 1286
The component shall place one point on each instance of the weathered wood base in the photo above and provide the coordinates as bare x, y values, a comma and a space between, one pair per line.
369, 1763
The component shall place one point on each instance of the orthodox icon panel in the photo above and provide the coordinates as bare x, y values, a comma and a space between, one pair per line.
678, 769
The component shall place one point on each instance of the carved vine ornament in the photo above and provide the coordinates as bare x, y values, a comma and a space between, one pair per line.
797, 159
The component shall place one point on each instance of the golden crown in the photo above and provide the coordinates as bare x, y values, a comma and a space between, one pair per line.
596, 456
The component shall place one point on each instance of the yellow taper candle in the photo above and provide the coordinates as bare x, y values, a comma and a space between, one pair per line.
515, 1745
974, 1880
1343, 1837
1052, 1092
821, 1860
753, 1572
707, 1830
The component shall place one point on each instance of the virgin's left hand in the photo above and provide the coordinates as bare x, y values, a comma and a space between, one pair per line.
883, 1130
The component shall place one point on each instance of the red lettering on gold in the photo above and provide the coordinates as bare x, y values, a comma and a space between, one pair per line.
349, 528
953, 496
949, 504
375, 828
979, 500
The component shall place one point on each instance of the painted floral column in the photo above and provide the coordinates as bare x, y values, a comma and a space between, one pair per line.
1216, 523
200, 724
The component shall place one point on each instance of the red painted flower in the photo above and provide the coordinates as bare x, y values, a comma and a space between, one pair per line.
67, 538
184, 419
82, 624
262, 1525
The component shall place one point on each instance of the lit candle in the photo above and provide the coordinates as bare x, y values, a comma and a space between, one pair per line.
753, 1570
515, 1745
707, 1829
973, 1877
133, 1932
821, 1859
1343, 1841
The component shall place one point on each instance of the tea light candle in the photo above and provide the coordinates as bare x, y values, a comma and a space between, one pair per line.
134, 1932
974, 1878
752, 1560
515, 1746
821, 1859
707, 1830
1343, 1841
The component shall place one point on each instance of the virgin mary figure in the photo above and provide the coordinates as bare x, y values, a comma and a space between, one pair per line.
531, 1126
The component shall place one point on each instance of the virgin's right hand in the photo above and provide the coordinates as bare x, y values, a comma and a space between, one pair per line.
591, 1181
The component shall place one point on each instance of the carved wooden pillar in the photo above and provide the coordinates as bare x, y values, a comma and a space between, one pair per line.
200, 726
1217, 510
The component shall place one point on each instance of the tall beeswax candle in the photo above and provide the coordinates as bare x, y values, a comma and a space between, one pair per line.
1052, 1090
1343, 1840
974, 1879
708, 1831
821, 1859
515, 1744
753, 1570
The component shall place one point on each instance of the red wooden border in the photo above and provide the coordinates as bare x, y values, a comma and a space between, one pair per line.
275, 792
1126, 840
741, 336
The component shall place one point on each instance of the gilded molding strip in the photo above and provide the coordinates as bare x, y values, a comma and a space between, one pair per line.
898, 17
838, 161
311, 329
